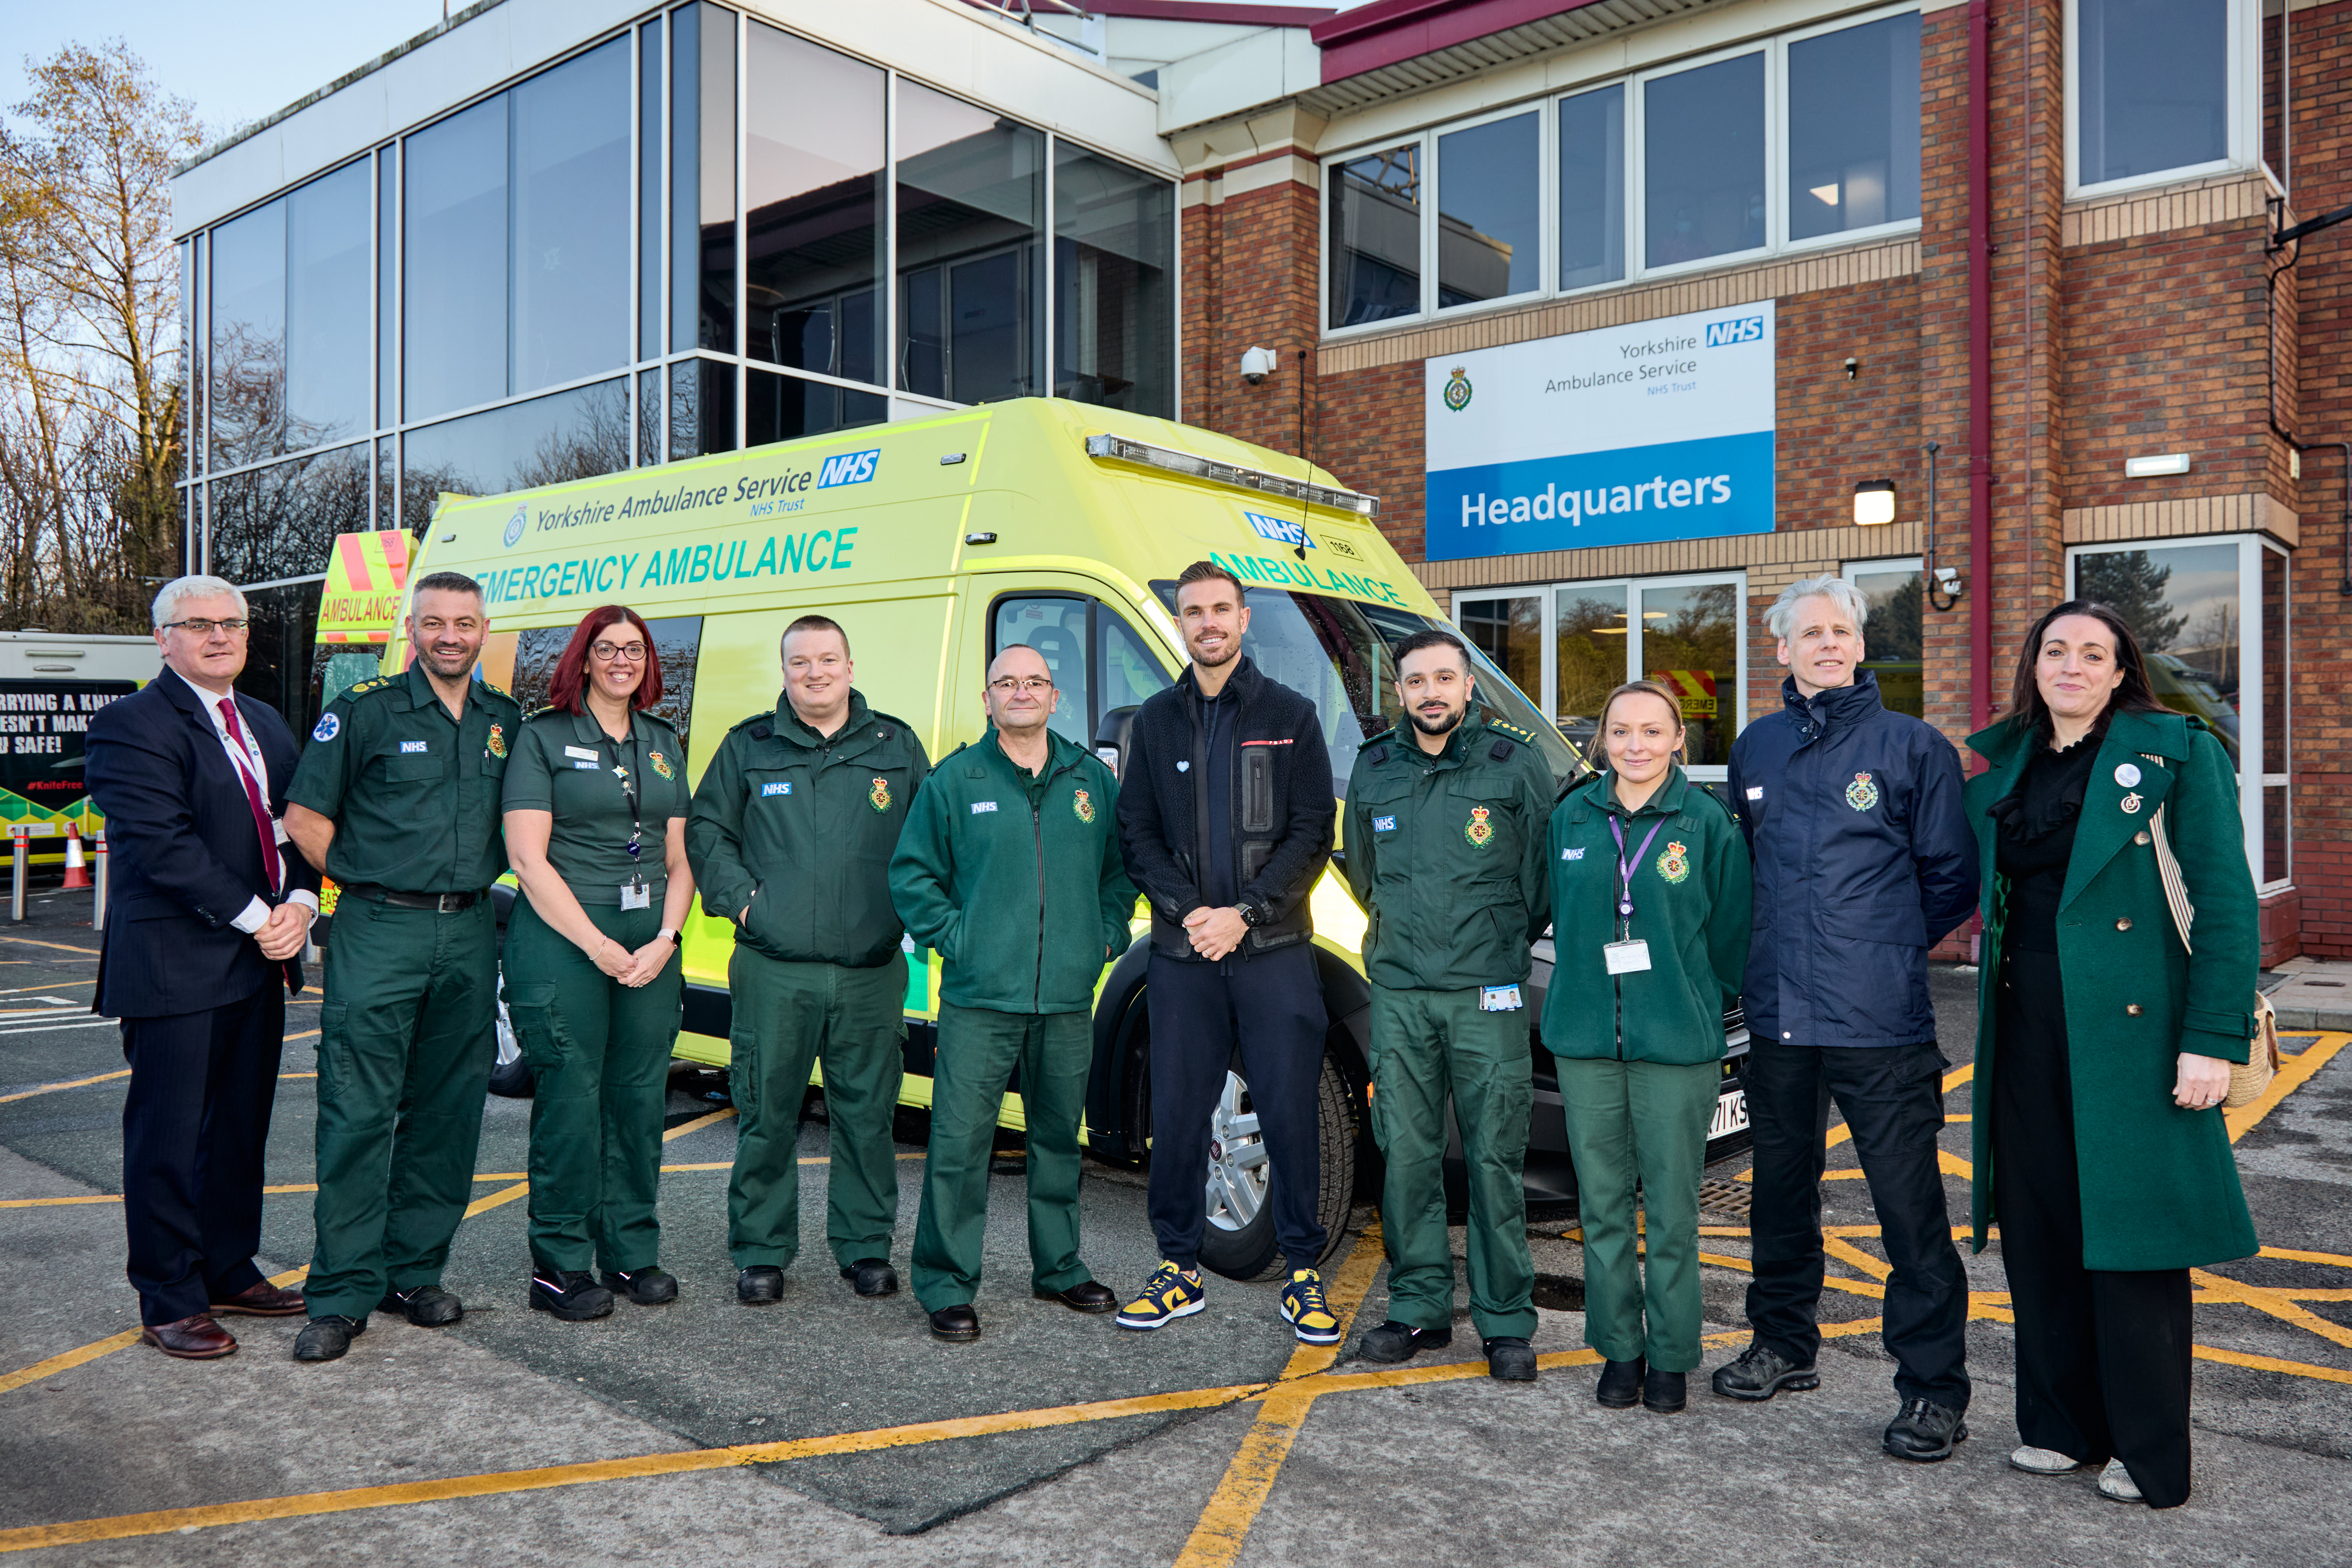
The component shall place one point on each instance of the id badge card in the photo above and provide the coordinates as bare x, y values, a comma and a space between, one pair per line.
1499, 999
640, 896
1626, 957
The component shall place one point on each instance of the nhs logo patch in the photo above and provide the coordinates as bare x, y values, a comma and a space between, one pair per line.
1384, 824
1571, 854
1278, 530
781, 787
848, 468
1745, 329
411, 745
980, 805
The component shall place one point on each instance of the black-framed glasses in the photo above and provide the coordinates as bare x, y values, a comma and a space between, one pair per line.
201, 627
634, 652
1006, 685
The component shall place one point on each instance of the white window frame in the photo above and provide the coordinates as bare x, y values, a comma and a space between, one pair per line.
2253, 716
2243, 72
1546, 596
1775, 50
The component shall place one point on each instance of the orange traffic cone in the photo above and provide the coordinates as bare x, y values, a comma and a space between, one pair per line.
76, 871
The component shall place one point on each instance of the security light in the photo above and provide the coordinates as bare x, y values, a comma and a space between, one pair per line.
1873, 502
2155, 467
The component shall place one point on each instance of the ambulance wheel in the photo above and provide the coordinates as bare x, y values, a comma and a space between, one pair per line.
1238, 1241
512, 1078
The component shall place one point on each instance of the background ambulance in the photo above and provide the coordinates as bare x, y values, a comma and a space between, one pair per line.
936, 542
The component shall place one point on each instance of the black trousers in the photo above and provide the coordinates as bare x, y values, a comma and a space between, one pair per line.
193, 1127
2102, 1355
1892, 1100
1272, 1005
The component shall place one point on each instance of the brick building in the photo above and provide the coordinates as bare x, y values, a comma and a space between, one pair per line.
2027, 242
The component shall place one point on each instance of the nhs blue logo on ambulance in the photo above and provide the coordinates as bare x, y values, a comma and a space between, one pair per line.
1279, 531
848, 468
1656, 431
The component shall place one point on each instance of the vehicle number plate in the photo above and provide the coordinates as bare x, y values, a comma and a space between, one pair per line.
1730, 1113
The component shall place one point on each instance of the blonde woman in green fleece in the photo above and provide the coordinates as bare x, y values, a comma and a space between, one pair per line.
1650, 890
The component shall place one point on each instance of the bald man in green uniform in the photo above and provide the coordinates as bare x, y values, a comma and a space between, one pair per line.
396, 798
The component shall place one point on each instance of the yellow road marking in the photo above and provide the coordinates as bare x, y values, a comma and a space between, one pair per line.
57, 946
2270, 1363
69, 1360
2337, 1259
2293, 1074
2279, 1304
1216, 1540
167, 1521
53, 1087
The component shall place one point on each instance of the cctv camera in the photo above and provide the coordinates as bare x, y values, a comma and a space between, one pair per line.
1258, 364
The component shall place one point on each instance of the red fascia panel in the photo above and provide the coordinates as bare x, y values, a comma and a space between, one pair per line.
1212, 11
1387, 32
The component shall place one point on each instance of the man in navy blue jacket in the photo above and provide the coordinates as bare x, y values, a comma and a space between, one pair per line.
211, 907
1864, 861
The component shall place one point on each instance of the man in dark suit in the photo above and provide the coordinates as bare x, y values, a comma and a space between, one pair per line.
211, 909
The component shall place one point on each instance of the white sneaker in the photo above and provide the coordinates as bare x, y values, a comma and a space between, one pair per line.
2044, 1462
2116, 1482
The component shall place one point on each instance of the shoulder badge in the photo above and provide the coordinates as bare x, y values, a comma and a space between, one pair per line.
330, 725
878, 796
1508, 729
1862, 795
549, 711
497, 739
497, 691
360, 688
1673, 863
1083, 804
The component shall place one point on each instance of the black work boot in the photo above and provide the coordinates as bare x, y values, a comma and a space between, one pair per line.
572, 1295
872, 1277
425, 1306
1925, 1431
647, 1287
1664, 1391
1762, 1371
759, 1285
1621, 1383
1511, 1359
1396, 1341
326, 1339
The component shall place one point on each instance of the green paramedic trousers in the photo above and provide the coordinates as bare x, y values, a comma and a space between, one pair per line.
598, 1052
1426, 1044
979, 1050
407, 1034
1647, 1120
788, 1017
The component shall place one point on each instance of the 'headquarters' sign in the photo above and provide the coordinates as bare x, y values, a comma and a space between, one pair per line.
1620, 436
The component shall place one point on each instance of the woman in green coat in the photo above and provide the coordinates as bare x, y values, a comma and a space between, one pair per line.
2104, 1045
1650, 890
595, 802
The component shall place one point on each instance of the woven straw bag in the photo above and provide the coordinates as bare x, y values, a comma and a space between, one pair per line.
2249, 1078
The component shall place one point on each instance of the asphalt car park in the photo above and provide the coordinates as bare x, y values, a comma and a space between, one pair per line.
830, 1428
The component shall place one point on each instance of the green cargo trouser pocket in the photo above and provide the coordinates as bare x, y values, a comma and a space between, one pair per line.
538, 1025
334, 1050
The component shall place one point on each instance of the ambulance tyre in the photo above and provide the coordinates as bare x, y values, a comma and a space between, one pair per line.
1238, 1241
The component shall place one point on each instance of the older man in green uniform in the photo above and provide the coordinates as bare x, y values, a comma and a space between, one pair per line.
1025, 914
396, 798
1446, 846
791, 834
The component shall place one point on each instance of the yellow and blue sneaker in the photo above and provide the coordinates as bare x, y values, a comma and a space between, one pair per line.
1303, 1311
1171, 1293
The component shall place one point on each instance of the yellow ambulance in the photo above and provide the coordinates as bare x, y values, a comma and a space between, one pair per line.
937, 541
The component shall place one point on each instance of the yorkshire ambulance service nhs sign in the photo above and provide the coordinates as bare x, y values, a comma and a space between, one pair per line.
1619, 435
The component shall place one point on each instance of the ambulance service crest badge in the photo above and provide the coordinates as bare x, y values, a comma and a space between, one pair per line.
1674, 865
1862, 795
1457, 390
497, 739
1478, 830
1083, 804
661, 765
879, 795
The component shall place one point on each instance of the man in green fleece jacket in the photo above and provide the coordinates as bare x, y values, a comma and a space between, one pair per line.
1010, 869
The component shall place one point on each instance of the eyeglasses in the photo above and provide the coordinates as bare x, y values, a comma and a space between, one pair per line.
1006, 685
204, 628
634, 652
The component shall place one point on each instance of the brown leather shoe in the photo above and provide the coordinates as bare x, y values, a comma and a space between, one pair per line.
263, 1300
192, 1339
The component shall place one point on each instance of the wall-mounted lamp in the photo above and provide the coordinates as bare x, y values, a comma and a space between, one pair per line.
1258, 364
2156, 466
1873, 502
1852, 367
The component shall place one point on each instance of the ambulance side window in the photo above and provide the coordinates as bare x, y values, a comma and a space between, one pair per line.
677, 639
1055, 626
1127, 671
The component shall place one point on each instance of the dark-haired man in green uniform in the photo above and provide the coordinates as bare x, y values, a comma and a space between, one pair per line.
396, 798
1446, 846
791, 835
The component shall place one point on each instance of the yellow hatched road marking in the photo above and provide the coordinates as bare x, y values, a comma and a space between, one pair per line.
2293, 1074
53, 1087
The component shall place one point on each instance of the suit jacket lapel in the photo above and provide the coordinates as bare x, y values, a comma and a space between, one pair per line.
2114, 812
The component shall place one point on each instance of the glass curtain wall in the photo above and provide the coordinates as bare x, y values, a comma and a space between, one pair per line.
971, 218
815, 188
1114, 301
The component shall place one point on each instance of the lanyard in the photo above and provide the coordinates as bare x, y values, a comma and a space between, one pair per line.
628, 793
1626, 870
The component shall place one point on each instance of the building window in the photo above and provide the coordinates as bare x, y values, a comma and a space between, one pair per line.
971, 212
814, 192
786, 407
1891, 632
1374, 244
650, 78
2151, 87
1703, 163
571, 228
1114, 310
454, 262
1509, 632
2212, 617
574, 435
1490, 211
289, 351
1592, 187
701, 408
702, 178
271, 524
1853, 127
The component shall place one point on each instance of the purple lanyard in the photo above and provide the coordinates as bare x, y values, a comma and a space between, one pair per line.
1625, 867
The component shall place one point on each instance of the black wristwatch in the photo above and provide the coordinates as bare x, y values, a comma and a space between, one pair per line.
1252, 914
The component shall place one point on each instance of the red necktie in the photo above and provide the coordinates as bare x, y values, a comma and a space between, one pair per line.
261, 822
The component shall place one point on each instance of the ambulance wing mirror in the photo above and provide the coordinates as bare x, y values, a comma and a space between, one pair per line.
1112, 738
